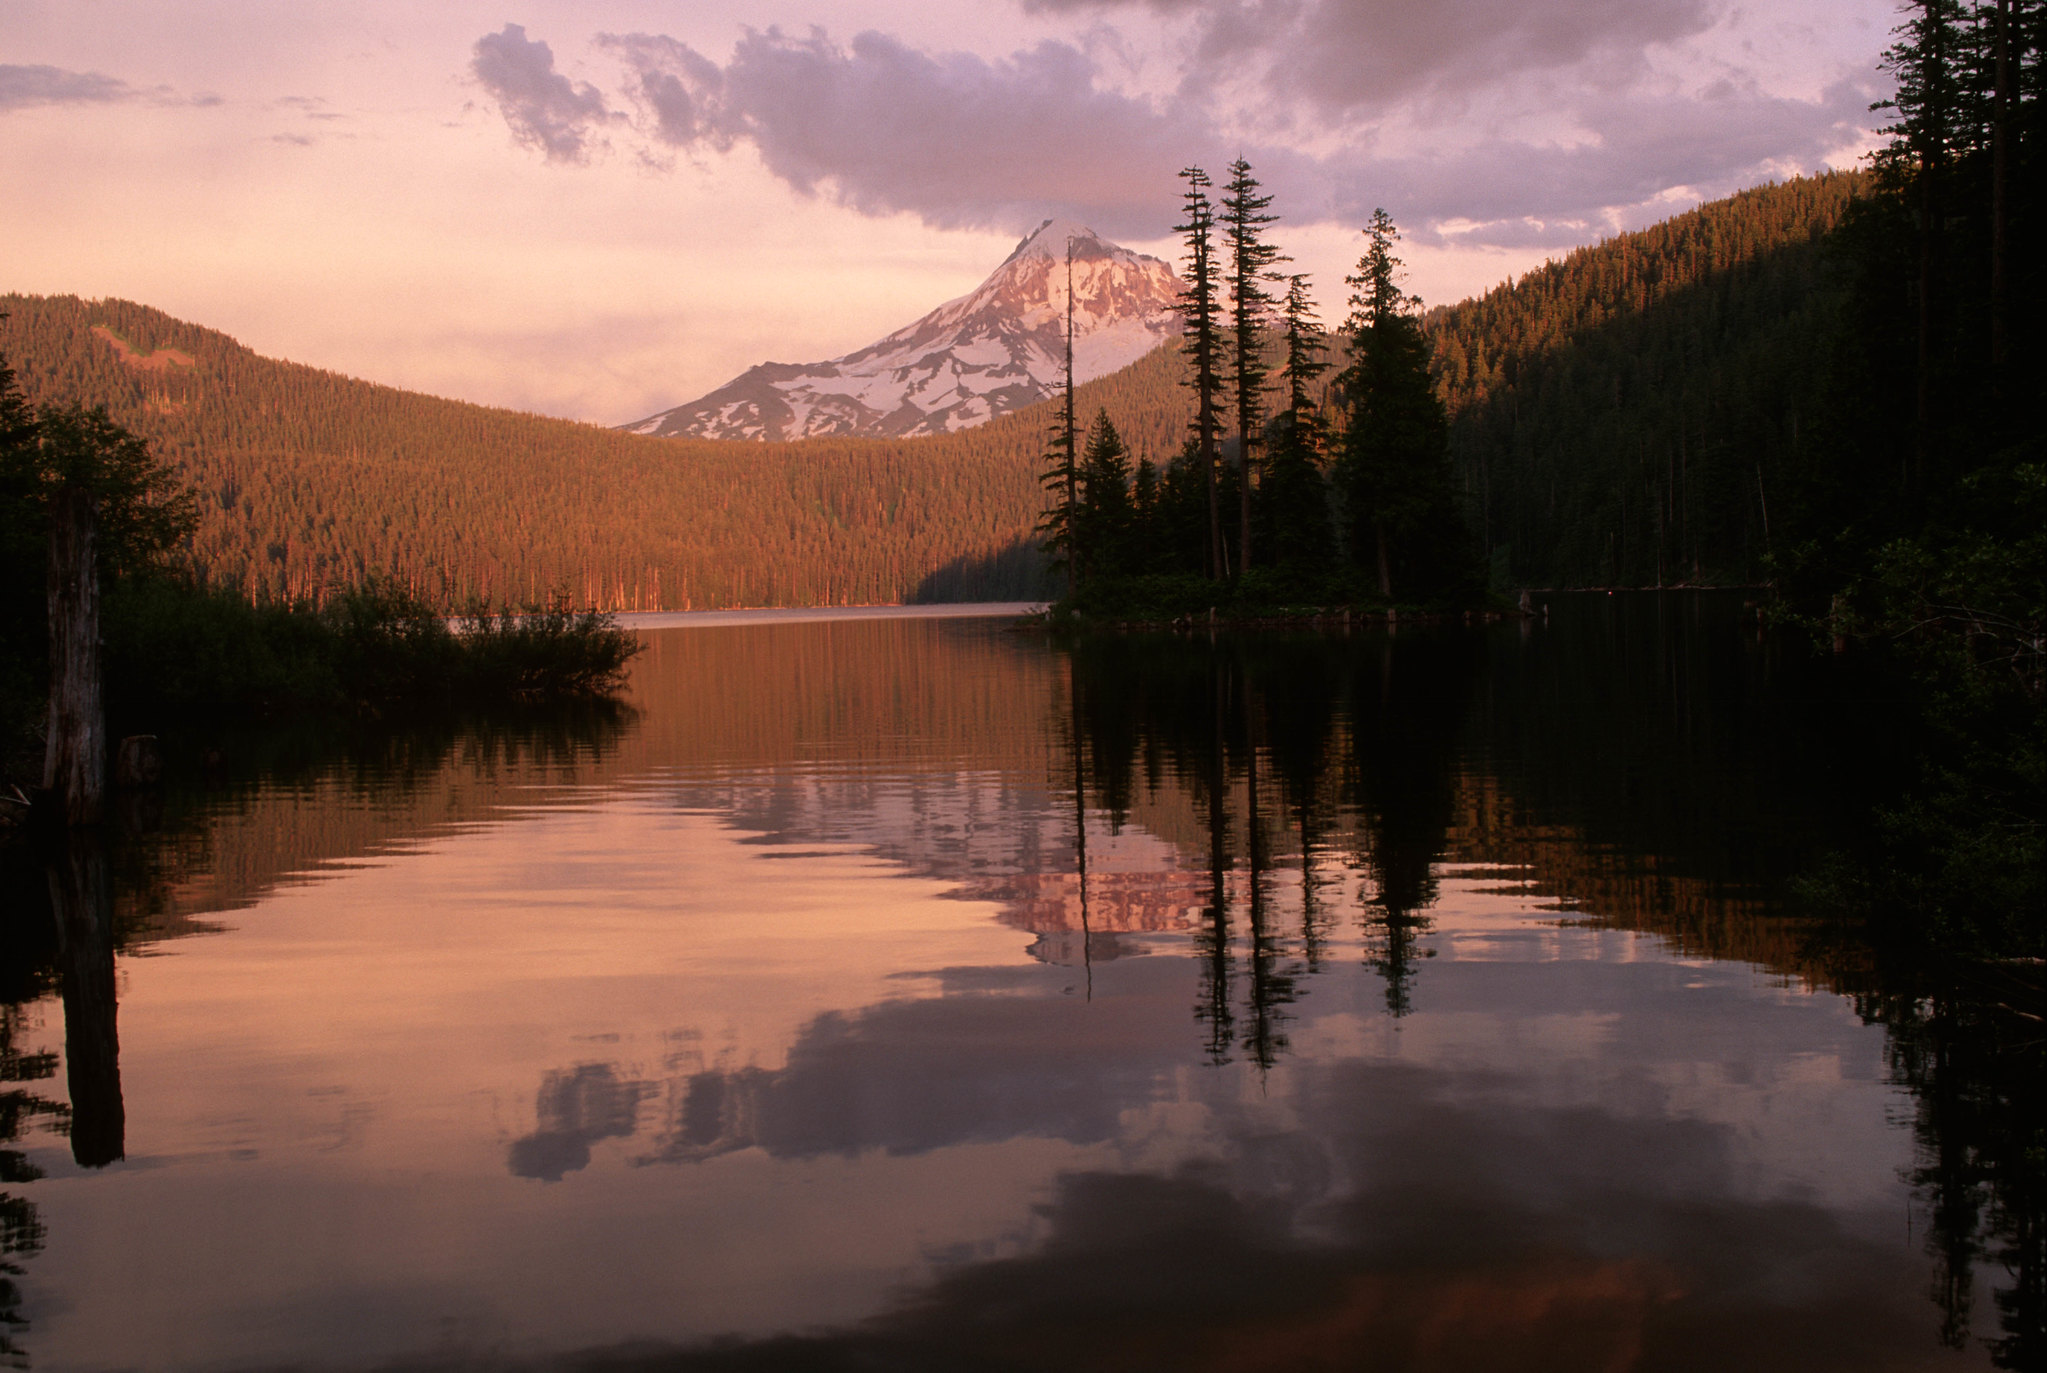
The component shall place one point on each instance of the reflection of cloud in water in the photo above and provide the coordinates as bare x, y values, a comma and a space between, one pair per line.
907, 1077
576, 1109
1411, 1221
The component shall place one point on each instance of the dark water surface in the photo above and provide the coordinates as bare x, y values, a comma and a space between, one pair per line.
918, 994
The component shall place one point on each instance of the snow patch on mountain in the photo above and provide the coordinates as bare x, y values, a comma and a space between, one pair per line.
998, 348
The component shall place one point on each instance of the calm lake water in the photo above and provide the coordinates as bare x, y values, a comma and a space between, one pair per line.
900, 993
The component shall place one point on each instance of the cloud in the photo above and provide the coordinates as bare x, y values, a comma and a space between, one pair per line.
1372, 54
1504, 192
24, 88
1369, 54
952, 137
544, 109
1518, 125
1352, 55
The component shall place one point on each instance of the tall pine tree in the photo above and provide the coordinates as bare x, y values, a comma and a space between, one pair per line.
1105, 500
1244, 218
1293, 495
1400, 504
1200, 310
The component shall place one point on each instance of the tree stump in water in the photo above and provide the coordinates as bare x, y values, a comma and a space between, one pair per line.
75, 756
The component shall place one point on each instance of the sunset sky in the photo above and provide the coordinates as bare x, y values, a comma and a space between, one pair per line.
601, 209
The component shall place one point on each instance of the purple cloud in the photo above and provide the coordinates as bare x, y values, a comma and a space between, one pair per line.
23, 88
964, 141
543, 108
1351, 55
951, 137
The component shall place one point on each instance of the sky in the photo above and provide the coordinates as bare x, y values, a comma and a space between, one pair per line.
598, 210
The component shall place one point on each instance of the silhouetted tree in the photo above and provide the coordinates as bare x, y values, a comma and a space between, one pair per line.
1065, 538
1400, 504
1293, 494
1200, 308
1244, 218
1105, 513
1146, 552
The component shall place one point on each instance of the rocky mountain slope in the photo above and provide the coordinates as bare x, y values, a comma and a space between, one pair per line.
999, 348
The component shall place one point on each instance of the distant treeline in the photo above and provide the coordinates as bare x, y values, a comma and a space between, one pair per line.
309, 480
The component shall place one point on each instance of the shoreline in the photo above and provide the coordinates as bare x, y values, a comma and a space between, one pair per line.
782, 615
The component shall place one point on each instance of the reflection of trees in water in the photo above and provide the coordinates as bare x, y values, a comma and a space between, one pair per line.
1973, 1056
27, 958
1407, 716
264, 805
21, 1229
68, 904
1280, 742
1659, 769
59, 931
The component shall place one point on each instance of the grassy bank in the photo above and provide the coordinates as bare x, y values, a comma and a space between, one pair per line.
180, 651
180, 657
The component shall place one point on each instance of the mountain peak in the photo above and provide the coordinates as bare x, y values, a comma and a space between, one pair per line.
1051, 238
998, 348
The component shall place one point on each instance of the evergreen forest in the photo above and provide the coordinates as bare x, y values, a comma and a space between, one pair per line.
308, 481
1635, 414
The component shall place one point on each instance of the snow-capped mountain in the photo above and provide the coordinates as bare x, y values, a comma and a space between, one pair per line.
998, 348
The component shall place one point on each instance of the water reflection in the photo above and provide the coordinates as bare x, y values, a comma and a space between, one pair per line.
81, 902
1298, 751
237, 830
576, 1110
21, 1229
955, 998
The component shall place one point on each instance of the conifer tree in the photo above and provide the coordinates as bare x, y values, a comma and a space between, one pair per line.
1200, 309
1293, 495
1144, 518
1306, 353
1925, 140
1251, 257
1400, 504
23, 531
1062, 525
1181, 517
1105, 501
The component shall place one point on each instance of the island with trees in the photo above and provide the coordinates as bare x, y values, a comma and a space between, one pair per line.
1342, 499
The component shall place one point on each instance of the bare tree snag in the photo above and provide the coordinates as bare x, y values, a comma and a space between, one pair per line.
75, 754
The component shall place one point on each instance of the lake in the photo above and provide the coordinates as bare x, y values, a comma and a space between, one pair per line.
921, 993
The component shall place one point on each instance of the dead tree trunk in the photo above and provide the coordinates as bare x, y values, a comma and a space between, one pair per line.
75, 756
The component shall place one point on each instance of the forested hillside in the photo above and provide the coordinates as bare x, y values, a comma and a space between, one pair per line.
308, 479
1628, 415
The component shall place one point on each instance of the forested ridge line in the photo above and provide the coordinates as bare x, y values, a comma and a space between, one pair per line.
308, 479
1617, 417
1627, 415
